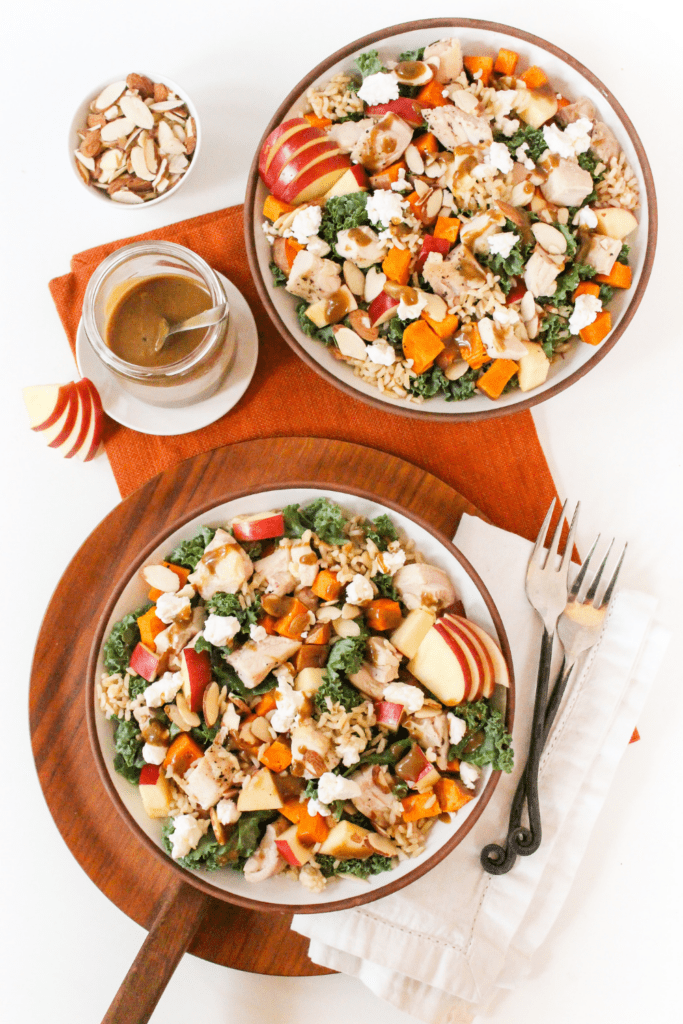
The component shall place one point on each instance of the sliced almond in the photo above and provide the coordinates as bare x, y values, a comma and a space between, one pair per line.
413, 159
532, 328
96, 121
124, 196
141, 83
87, 161
111, 160
433, 204
178, 131
167, 104
218, 828
132, 107
160, 92
191, 136
382, 845
374, 283
261, 729
328, 613
351, 611
161, 578
436, 307
162, 184
211, 704
160, 172
83, 171
109, 95
175, 716
118, 129
421, 188
178, 163
150, 152
527, 306
132, 138
285, 221
167, 140
192, 719
552, 240
346, 627
354, 277
137, 158
112, 113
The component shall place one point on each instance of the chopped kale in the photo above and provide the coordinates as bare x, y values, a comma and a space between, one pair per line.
385, 584
392, 331
389, 756
408, 55
496, 748
382, 531
210, 855
225, 674
357, 115
136, 686
511, 266
533, 137
189, 552
624, 254
322, 516
279, 276
567, 283
128, 743
606, 293
373, 865
124, 636
228, 604
204, 735
345, 658
368, 64
552, 332
340, 213
572, 244
588, 161
324, 334
433, 382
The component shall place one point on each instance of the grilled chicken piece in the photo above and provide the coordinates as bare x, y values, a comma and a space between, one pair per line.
453, 127
202, 785
383, 143
424, 586
476, 231
365, 681
253, 660
384, 659
574, 111
453, 277
312, 751
376, 800
274, 570
362, 245
602, 253
312, 277
223, 567
604, 142
267, 860
305, 563
347, 134
179, 634
431, 733
567, 184
540, 273
449, 54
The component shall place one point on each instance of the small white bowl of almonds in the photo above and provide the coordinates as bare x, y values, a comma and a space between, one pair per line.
134, 140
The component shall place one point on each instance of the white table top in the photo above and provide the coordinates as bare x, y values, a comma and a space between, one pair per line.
614, 441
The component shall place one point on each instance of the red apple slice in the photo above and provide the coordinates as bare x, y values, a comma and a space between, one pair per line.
46, 403
409, 110
353, 180
457, 642
275, 140
195, 669
473, 652
298, 142
382, 308
431, 244
500, 669
261, 526
292, 849
388, 714
147, 663
61, 428
91, 444
80, 430
315, 181
155, 791
441, 669
489, 675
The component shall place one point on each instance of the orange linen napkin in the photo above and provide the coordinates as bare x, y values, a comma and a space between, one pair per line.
497, 464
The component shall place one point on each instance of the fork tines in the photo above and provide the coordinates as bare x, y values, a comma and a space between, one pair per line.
591, 593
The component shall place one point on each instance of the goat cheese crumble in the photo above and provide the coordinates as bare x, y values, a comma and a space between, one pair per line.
379, 88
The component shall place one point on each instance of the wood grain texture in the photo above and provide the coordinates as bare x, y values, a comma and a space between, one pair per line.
121, 867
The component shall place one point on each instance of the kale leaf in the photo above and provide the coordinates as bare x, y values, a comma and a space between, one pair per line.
433, 382
510, 266
226, 675
228, 604
534, 138
385, 584
383, 533
189, 552
322, 516
411, 55
368, 64
342, 212
567, 283
210, 855
136, 686
324, 334
124, 636
588, 161
572, 244
128, 743
496, 748
606, 294
345, 658
552, 332
393, 330
279, 276
373, 865
624, 253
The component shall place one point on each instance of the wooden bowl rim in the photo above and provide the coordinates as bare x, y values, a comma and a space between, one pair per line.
191, 877
415, 412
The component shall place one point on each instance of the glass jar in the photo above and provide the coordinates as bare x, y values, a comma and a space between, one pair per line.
190, 379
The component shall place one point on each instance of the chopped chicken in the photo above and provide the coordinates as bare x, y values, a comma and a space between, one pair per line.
449, 55
267, 860
362, 245
253, 660
602, 253
540, 273
312, 751
313, 278
453, 127
424, 586
384, 659
223, 567
500, 340
383, 143
431, 733
364, 681
376, 801
179, 634
476, 231
274, 570
567, 184
574, 111
202, 785
304, 562
347, 133
604, 142
453, 277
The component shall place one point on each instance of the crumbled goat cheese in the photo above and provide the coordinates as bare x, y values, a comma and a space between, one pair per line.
505, 316
349, 752
586, 308
306, 223
153, 754
284, 674
381, 352
187, 831
411, 310
257, 633
579, 133
411, 697
585, 218
498, 155
508, 126
163, 690
230, 720
393, 560
401, 184
318, 246
502, 243
457, 727
573, 140
336, 787
384, 206
359, 590
316, 807
226, 812
522, 158
219, 629
286, 708
170, 607
469, 774
379, 88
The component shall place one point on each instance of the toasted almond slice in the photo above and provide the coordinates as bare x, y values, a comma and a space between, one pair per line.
261, 729
124, 196
174, 714
111, 160
351, 611
421, 188
436, 308
414, 160
167, 104
83, 171
112, 113
179, 132
118, 129
167, 140
131, 138
133, 108
382, 845
160, 577
345, 627
109, 95
162, 184
160, 172
192, 719
354, 277
150, 152
433, 204
285, 221
191, 127
137, 158
210, 704
87, 161
218, 828
178, 163
96, 121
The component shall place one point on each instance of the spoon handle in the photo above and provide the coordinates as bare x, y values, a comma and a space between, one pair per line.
205, 319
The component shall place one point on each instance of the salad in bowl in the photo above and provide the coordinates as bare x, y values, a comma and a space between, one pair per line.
302, 696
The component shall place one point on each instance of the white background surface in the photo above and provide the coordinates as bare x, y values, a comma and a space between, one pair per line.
614, 441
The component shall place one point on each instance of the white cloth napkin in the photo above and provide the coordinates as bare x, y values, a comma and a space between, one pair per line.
440, 948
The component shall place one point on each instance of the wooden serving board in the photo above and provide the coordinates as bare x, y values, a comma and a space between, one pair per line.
112, 857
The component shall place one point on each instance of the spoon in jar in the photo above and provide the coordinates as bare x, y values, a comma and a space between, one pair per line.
206, 319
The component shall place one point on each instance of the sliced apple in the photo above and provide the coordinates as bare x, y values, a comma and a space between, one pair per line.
348, 842
615, 222
407, 637
481, 654
389, 715
155, 791
309, 679
500, 669
298, 147
259, 793
536, 106
147, 663
408, 109
46, 403
332, 309
82, 425
440, 669
459, 639
276, 138
91, 446
315, 181
195, 669
353, 180
303, 161
261, 526
382, 308
292, 849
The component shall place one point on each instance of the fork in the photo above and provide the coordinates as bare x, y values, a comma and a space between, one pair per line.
546, 589
578, 628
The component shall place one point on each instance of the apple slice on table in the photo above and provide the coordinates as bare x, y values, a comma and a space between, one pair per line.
91, 445
195, 670
261, 526
46, 403
472, 653
441, 668
276, 138
60, 428
292, 849
461, 625
82, 424
501, 676
155, 791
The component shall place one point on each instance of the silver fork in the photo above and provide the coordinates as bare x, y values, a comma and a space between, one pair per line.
546, 589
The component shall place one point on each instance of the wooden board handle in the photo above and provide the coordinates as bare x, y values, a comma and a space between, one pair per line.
179, 916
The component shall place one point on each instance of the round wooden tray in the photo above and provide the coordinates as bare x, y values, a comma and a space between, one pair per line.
112, 857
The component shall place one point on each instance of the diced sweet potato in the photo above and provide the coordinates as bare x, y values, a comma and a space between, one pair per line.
319, 634
150, 626
420, 805
311, 828
182, 753
383, 614
295, 622
277, 756
451, 794
326, 586
311, 656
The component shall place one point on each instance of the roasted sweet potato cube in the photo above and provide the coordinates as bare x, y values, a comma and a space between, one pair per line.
326, 586
319, 634
182, 753
311, 656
